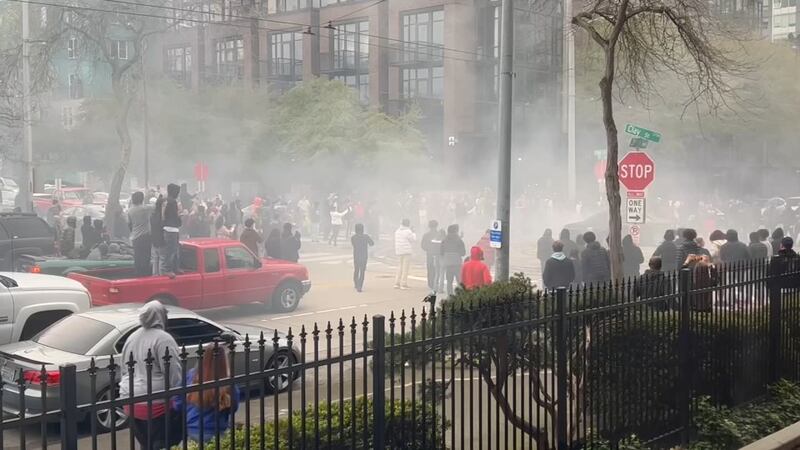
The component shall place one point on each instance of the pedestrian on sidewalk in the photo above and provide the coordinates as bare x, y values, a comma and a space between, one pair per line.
595, 262
475, 273
361, 244
453, 251
290, 243
432, 245
544, 247
559, 271
668, 252
139, 224
632, 257
404, 239
250, 237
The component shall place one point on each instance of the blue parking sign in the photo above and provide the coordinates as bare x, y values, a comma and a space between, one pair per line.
496, 234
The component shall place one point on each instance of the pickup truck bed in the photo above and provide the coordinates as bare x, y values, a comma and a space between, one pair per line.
214, 273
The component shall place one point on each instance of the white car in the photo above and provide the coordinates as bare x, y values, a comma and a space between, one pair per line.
29, 303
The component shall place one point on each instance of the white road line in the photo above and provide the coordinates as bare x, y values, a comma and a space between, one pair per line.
342, 308
412, 277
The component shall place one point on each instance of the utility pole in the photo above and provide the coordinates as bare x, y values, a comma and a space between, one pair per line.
145, 120
504, 130
26, 186
569, 48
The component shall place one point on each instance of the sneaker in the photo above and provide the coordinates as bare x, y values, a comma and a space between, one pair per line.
404, 288
397, 286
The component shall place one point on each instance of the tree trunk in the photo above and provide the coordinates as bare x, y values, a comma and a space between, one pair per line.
612, 168
123, 106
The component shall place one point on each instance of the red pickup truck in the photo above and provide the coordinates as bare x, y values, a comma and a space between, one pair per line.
214, 273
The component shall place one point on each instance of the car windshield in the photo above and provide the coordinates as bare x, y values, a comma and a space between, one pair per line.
75, 334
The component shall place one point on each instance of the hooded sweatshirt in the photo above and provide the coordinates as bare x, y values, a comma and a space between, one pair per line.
150, 336
733, 250
559, 271
475, 273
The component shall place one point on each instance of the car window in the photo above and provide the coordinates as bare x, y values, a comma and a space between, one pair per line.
211, 257
239, 258
75, 334
192, 331
26, 227
188, 259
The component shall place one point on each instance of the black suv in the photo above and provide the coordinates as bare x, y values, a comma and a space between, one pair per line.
23, 234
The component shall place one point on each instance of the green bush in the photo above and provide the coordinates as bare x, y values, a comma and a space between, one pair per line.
731, 428
401, 424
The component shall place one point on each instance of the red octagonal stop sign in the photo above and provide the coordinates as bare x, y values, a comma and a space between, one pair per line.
636, 171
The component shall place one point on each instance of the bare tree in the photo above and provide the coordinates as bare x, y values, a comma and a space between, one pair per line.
642, 39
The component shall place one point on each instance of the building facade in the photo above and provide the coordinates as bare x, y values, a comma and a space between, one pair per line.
440, 56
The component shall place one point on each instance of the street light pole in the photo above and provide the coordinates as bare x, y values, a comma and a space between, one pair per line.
570, 56
145, 120
504, 130
26, 186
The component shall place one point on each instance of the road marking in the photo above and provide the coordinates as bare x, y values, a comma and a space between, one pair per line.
341, 308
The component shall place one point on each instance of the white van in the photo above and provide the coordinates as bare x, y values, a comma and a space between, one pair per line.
29, 303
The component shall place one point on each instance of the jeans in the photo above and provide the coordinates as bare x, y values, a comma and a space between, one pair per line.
452, 273
360, 269
402, 270
141, 255
156, 257
434, 269
169, 257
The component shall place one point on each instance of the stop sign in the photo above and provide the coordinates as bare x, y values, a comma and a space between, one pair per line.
636, 171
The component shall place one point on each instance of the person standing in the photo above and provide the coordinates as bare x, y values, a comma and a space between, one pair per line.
784, 262
544, 247
290, 244
404, 239
559, 271
89, 236
67, 242
157, 236
595, 263
569, 244
432, 245
250, 237
139, 225
668, 252
733, 250
361, 243
272, 247
337, 220
777, 239
757, 249
475, 273
171, 224
632, 257
653, 284
149, 347
689, 246
763, 236
453, 251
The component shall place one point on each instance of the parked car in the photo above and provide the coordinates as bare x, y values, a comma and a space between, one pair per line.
101, 332
30, 303
22, 234
214, 273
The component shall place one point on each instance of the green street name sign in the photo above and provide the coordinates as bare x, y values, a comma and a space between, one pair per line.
643, 133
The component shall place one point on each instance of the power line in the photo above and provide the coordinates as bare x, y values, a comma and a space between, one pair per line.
358, 10
248, 27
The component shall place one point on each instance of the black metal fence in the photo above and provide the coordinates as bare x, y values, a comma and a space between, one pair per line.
505, 367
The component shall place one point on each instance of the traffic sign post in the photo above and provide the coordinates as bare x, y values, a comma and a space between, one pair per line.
636, 171
496, 234
635, 210
643, 133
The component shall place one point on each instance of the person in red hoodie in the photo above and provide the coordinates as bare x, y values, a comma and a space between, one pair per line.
475, 273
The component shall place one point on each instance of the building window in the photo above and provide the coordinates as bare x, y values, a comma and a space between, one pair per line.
423, 36
286, 55
43, 17
423, 42
75, 87
179, 64
358, 82
72, 48
119, 49
351, 57
291, 5
230, 57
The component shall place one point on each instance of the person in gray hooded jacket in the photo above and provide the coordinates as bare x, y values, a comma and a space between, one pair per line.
151, 337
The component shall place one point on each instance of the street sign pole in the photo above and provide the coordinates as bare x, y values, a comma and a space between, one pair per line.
504, 160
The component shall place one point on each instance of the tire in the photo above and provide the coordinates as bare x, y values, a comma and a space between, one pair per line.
39, 322
287, 296
283, 358
101, 417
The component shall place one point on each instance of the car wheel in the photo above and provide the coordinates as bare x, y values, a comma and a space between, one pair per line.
102, 417
281, 360
287, 297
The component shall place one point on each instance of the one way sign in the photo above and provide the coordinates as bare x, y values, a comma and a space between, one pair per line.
635, 211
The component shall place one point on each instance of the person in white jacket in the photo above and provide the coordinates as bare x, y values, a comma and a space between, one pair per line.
152, 338
404, 239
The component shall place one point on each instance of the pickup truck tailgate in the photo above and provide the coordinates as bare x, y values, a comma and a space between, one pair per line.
97, 287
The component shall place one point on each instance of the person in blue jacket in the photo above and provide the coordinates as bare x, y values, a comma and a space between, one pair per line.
209, 410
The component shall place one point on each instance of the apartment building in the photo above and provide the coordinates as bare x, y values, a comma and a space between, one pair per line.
440, 55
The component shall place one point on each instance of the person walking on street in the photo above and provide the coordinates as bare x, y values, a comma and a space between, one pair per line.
139, 225
157, 236
757, 249
733, 250
559, 271
361, 244
453, 252
250, 237
569, 244
595, 262
632, 257
337, 220
272, 246
404, 239
171, 221
432, 245
668, 252
150, 347
544, 247
290, 244
475, 273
